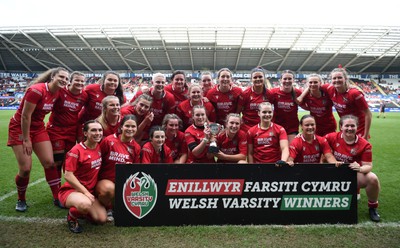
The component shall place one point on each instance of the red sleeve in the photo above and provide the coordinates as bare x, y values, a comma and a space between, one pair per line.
242, 139
330, 138
136, 154
72, 160
359, 100
250, 136
367, 154
105, 149
189, 138
33, 95
293, 148
147, 153
168, 155
136, 96
325, 148
127, 110
282, 134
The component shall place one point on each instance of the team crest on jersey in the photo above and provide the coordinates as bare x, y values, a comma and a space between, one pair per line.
353, 151
230, 97
337, 144
99, 153
317, 147
271, 133
112, 143
97, 95
345, 99
130, 150
57, 144
139, 194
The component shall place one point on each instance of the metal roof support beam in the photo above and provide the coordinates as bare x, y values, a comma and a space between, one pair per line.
315, 49
93, 51
141, 50
2, 62
190, 49
16, 56
271, 62
69, 50
338, 51
45, 50
390, 63
116, 49
133, 61
165, 50
266, 48
366, 49
290, 50
240, 49
27, 54
380, 57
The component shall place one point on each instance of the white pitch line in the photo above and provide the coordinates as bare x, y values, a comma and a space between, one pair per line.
14, 192
360, 225
33, 219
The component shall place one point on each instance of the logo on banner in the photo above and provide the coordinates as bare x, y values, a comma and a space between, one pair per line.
140, 194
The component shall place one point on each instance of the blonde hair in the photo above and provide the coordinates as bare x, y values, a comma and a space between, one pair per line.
102, 119
48, 75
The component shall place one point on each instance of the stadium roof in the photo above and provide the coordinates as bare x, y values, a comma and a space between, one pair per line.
361, 49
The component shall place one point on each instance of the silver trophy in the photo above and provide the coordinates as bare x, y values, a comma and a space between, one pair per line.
215, 128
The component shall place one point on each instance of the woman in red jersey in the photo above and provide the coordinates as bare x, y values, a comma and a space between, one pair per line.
184, 109
224, 96
348, 100
82, 167
27, 131
232, 141
349, 147
198, 137
308, 147
178, 87
141, 109
267, 142
62, 125
155, 151
110, 115
174, 138
118, 148
108, 85
319, 104
206, 82
163, 102
284, 100
250, 99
